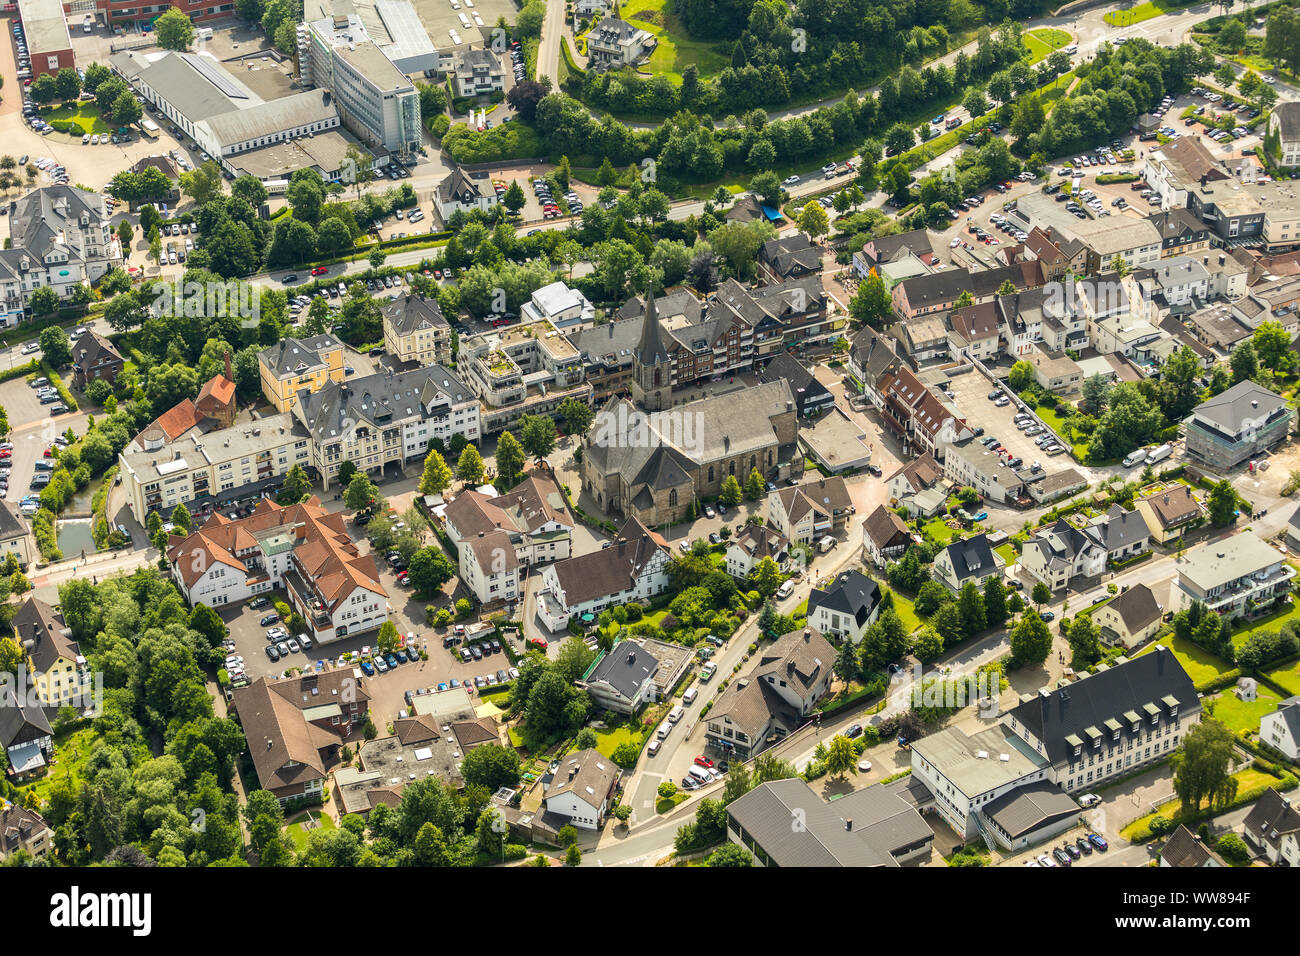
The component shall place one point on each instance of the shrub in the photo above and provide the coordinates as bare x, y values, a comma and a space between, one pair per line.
1233, 848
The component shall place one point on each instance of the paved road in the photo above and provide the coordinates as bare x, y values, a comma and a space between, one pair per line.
548, 53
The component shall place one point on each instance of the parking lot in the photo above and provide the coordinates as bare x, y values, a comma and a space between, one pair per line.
971, 395
33, 429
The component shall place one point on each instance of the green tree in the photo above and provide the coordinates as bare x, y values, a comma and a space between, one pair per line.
469, 468
430, 569
995, 602
730, 493
437, 475
1031, 641
361, 492
510, 457
576, 415
54, 343
1203, 766
755, 486
537, 435
1041, 594
729, 854
491, 766
1084, 638
813, 221
297, 486
1221, 504
45, 301
841, 758
174, 30
1021, 375
871, 303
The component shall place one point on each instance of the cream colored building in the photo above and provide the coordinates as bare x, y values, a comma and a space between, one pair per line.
415, 330
292, 365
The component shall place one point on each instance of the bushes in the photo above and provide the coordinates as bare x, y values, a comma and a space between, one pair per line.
515, 852
46, 539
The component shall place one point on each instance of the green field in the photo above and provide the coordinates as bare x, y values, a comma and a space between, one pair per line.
1043, 42
607, 741
676, 51
1200, 664
1286, 677
1008, 553
84, 116
1272, 622
299, 835
1128, 16
1239, 716
906, 611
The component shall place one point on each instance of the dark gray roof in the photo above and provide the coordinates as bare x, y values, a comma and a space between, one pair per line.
379, 400
917, 242
864, 828
626, 668
409, 313
1244, 400
807, 390
851, 593
20, 721
792, 255
292, 356
1137, 607
1054, 715
1122, 528
971, 557
11, 526
651, 349
1184, 849
1028, 807
1270, 817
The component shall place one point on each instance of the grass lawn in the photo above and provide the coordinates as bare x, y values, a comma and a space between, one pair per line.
299, 835
607, 741
72, 752
1288, 677
676, 50
83, 115
1238, 716
665, 804
1043, 42
1247, 779
1142, 11
1008, 553
905, 608
1200, 664
1271, 622
936, 529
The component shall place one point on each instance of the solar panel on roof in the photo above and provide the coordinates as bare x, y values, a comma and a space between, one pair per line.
217, 77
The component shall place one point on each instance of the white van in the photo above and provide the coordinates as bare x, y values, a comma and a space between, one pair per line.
690, 695
665, 729
786, 589
675, 714
1135, 458
1160, 454
700, 774
825, 544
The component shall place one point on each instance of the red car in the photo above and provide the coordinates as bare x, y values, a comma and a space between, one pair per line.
49, 453
704, 761
319, 271
6, 454
539, 641
401, 576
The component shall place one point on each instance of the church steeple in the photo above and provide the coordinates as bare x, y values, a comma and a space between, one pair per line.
652, 372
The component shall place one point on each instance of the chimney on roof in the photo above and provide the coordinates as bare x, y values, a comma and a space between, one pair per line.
807, 634
848, 825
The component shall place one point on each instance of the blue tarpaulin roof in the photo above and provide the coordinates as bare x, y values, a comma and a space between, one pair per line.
770, 213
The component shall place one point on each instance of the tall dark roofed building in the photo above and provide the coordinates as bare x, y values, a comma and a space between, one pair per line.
652, 385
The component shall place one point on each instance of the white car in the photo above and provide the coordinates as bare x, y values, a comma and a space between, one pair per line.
276, 634
31, 347
293, 645
790, 181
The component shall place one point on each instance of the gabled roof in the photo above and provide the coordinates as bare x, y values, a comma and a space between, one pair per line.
1185, 849
1087, 704
1137, 607
611, 570
17, 714
825, 495
411, 313
93, 349
800, 658
626, 668
971, 557
883, 528
40, 630
792, 255
1173, 505
1121, 528
851, 593
1272, 817
760, 541
920, 473
11, 525
587, 774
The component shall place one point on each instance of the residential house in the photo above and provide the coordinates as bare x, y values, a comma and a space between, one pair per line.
1059, 254
939, 292
1238, 424
846, 607
464, 192
634, 567
478, 73
1061, 554
967, 560
922, 339
94, 357
1177, 282
773, 700
870, 827
1170, 512
792, 257
293, 365
25, 831
415, 330
976, 332
1124, 534
1272, 829
1129, 619
296, 726
55, 665
1181, 233
971, 464
917, 415
1055, 371
1185, 849
748, 546
807, 512
1236, 576
915, 486
498, 538
25, 735
1177, 168
884, 537
614, 43
14, 536
581, 789
623, 679
811, 397
1284, 129
880, 251
303, 549
1281, 728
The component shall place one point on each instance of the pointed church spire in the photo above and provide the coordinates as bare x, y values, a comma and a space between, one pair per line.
651, 350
